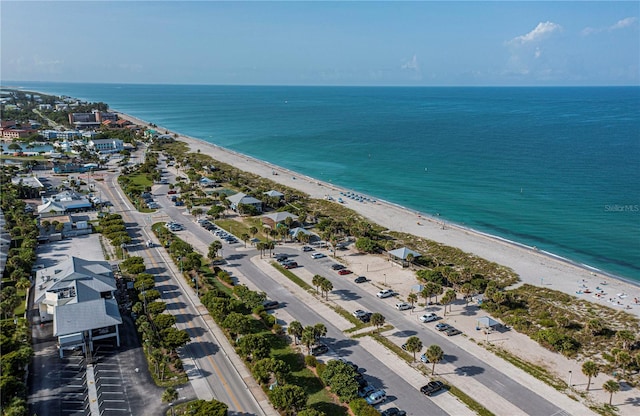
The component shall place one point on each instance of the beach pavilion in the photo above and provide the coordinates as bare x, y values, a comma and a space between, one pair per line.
400, 255
275, 218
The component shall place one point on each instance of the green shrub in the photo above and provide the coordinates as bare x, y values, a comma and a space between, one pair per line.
360, 407
310, 361
320, 367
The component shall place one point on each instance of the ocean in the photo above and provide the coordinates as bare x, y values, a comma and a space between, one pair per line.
554, 168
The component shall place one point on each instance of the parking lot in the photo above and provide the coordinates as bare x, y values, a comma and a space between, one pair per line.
110, 384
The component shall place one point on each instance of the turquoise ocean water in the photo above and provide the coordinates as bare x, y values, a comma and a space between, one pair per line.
555, 168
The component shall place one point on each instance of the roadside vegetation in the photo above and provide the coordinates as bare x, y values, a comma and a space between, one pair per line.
15, 339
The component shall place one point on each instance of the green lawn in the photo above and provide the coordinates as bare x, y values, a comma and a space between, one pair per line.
140, 179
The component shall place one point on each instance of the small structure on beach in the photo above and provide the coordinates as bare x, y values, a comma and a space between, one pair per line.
274, 194
275, 218
296, 232
400, 255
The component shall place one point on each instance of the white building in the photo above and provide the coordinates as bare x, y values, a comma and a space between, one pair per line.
106, 145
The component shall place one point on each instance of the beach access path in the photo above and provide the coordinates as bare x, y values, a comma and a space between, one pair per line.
534, 267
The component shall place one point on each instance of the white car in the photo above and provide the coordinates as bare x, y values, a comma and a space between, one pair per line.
430, 317
358, 313
385, 293
403, 306
376, 397
317, 256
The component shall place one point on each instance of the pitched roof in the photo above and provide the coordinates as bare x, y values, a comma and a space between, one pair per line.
280, 216
242, 198
273, 193
403, 252
84, 316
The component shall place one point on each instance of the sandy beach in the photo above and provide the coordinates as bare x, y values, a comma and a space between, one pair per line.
534, 267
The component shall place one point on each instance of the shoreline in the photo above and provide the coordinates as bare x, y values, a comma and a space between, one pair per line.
536, 267
336, 188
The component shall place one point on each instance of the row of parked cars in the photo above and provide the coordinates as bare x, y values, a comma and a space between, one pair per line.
222, 234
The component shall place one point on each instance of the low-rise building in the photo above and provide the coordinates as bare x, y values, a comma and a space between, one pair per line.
106, 145
79, 297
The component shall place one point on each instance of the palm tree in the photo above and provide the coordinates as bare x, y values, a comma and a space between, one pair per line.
412, 298
377, 319
317, 281
413, 345
253, 231
467, 291
431, 289
170, 395
410, 259
23, 284
623, 358
326, 286
611, 387
308, 337
448, 299
434, 354
295, 330
590, 369
245, 238
214, 247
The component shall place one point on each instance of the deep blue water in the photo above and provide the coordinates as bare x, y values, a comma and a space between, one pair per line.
555, 168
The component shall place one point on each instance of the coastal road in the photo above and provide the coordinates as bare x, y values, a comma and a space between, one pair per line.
483, 376
475, 370
212, 373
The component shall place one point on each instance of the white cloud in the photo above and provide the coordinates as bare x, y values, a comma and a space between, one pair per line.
412, 64
537, 53
620, 24
544, 29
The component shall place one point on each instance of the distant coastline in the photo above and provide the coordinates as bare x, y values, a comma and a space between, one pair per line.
435, 220
540, 249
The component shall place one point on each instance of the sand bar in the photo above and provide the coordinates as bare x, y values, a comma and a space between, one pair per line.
534, 267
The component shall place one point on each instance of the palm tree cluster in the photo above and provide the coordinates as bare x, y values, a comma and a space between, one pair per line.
323, 283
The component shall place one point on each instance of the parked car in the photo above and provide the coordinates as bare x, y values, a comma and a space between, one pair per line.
386, 293
172, 191
179, 203
270, 304
366, 317
432, 387
344, 271
307, 248
429, 317
424, 358
337, 266
317, 255
358, 313
393, 411
452, 331
319, 349
291, 265
376, 397
366, 391
403, 306
442, 326
360, 279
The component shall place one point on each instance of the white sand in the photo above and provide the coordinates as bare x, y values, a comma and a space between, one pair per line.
533, 267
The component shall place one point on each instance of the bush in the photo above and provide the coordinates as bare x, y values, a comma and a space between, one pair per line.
320, 367
310, 361
360, 407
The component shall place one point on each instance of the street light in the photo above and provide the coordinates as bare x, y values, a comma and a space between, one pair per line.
385, 279
570, 375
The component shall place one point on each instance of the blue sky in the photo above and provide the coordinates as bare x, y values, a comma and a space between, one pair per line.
322, 43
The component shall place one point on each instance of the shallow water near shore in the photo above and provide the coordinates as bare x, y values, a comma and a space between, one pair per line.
554, 168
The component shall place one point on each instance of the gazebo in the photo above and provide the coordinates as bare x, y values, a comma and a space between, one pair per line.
400, 255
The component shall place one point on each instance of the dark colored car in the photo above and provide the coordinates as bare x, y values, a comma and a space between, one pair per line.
360, 279
179, 203
344, 271
393, 411
307, 248
366, 317
291, 265
319, 349
432, 387
270, 304
172, 191
337, 266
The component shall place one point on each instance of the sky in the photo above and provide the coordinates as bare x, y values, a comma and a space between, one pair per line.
419, 43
